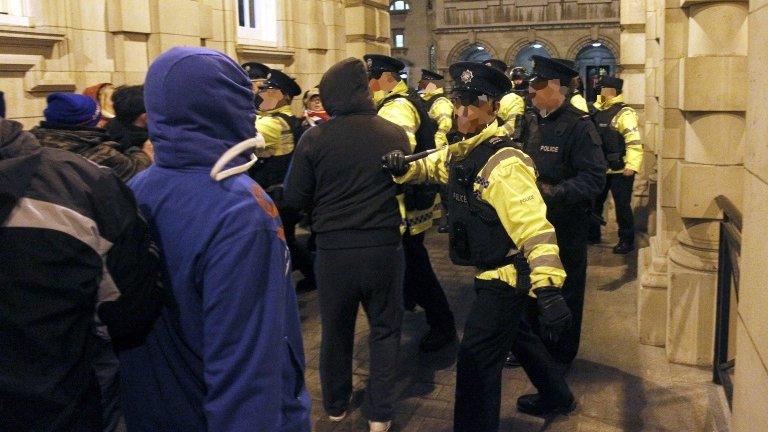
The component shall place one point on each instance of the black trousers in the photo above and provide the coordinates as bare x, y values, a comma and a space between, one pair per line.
571, 229
346, 278
497, 321
421, 284
620, 187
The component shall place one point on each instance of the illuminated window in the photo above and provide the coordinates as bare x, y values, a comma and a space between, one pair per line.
398, 38
13, 12
399, 5
257, 21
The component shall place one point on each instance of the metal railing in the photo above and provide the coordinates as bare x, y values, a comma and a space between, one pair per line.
727, 276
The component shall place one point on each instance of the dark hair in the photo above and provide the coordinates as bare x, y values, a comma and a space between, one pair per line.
129, 103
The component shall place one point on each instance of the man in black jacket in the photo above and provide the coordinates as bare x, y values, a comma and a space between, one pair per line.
73, 245
336, 171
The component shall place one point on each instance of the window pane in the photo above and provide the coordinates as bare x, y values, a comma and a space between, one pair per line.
399, 41
240, 12
252, 14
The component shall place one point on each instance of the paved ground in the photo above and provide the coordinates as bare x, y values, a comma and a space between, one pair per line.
620, 385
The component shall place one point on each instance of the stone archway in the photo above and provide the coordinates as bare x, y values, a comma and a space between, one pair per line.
513, 54
464, 47
579, 44
592, 60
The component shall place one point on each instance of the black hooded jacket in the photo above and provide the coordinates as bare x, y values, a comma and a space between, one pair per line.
336, 169
73, 244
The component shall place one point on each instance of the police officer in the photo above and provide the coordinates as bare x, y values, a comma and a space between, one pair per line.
623, 148
431, 88
574, 96
565, 146
519, 78
511, 104
280, 129
498, 225
394, 103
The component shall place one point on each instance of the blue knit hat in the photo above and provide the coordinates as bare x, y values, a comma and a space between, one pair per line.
71, 109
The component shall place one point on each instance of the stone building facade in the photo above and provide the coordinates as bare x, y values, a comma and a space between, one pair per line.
440, 32
704, 120
68, 45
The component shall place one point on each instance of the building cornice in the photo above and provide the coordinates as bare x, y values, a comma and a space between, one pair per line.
548, 25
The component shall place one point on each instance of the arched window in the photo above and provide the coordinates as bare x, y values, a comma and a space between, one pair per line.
475, 53
594, 60
399, 5
523, 58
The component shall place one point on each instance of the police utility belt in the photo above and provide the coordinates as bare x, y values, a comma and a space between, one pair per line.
477, 236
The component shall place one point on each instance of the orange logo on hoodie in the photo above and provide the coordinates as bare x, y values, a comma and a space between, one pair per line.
268, 206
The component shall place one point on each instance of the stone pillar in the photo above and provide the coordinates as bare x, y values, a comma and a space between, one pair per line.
367, 27
713, 122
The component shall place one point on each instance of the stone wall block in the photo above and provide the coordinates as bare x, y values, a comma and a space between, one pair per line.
750, 400
88, 14
756, 159
698, 185
205, 13
715, 138
632, 48
651, 301
129, 16
690, 310
85, 49
158, 43
718, 29
676, 33
131, 52
671, 83
668, 182
698, 93
217, 25
674, 134
632, 12
177, 17
634, 86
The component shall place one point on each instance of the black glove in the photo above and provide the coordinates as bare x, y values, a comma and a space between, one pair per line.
395, 163
554, 315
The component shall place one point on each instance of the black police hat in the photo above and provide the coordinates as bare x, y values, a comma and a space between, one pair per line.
549, 69
428, 75
288, 85
256, 70
479, 78
569, 63
496, 64
519, 72
611, 82
382, 63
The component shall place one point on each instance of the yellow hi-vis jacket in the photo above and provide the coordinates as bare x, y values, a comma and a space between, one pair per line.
626, 122
442, 113
401, 112
510, 106
276, 132
508, 183
578, 102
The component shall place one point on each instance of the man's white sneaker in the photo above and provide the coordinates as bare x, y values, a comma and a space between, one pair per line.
380, 426
337, 418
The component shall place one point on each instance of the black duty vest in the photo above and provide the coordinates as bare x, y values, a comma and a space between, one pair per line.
477, 237
614, 147
548, 142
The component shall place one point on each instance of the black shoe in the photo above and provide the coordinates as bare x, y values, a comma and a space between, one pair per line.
624, 247
437, 339
532, 404
511, 361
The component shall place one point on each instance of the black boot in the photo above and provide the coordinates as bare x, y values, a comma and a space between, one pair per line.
437, 339
533, 404
624, 247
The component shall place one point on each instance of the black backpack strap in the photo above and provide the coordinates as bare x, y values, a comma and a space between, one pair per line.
297, 130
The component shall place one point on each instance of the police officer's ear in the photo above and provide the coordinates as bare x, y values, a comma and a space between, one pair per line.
496, 106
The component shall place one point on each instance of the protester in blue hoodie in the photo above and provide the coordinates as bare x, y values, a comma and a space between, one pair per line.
226, 353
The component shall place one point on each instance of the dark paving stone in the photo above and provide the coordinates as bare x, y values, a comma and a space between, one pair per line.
620, 385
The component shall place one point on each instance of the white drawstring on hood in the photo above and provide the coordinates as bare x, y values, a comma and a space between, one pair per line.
256, 142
